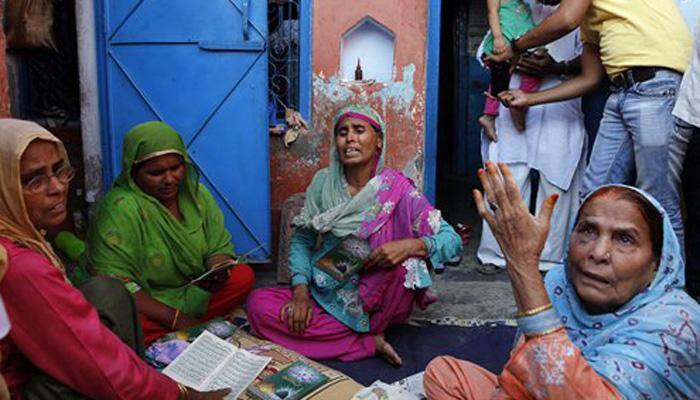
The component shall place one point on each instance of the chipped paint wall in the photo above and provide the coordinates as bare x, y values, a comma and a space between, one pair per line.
401, 102
4, 91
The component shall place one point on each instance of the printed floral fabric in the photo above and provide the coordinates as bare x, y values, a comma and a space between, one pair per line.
399, 211
551, 367
415, 213
328, 206
649, 348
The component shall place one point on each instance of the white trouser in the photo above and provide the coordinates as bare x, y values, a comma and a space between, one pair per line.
562, 219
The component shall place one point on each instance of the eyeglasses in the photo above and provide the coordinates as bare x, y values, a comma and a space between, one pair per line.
39, 183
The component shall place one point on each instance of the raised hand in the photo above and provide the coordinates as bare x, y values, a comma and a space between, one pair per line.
520, 235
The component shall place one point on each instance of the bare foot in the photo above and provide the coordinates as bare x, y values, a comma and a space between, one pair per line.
387, 351
518, 115
488, 122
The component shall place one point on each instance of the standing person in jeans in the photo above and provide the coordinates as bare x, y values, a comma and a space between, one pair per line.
644, 48
685, 145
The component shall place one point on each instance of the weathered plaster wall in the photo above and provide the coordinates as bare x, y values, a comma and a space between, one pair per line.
89, 99
401, 103
4, 91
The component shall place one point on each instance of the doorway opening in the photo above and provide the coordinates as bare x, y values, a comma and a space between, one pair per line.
462, 84
44, 87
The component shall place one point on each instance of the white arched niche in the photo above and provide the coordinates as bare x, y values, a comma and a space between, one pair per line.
373, 44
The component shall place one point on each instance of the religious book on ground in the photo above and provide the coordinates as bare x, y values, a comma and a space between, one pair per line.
291, 383
383, 391
211, 363
412, 384
166, 349
346, 258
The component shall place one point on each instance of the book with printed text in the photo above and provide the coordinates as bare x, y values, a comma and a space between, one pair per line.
291, 383
210, 363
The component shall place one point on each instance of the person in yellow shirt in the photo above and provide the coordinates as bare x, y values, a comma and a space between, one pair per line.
644, 47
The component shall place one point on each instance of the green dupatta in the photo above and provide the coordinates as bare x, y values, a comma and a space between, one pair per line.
135, 238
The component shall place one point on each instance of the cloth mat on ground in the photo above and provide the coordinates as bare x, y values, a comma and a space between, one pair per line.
487, 346
233, 328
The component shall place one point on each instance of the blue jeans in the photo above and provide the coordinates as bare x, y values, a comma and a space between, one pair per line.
635, 134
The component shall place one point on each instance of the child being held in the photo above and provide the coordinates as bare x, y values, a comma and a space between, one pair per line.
508, 20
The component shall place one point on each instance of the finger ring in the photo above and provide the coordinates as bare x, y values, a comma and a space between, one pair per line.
493, 205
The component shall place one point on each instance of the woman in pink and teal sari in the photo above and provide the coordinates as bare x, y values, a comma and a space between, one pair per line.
322, 317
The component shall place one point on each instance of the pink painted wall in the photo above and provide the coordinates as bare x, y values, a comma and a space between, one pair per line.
401, 102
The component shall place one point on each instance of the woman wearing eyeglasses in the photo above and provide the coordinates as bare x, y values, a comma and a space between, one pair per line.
158, 229
58, 347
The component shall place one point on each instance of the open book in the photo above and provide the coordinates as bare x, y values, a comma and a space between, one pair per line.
409, 388
213, 271
210, 363
346, 258
412, 384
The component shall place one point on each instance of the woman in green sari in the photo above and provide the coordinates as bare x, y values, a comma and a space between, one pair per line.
158, 229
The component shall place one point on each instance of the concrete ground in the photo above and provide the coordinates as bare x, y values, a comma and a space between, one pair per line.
462, 291
467, 294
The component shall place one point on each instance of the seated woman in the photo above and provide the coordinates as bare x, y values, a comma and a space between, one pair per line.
614, 324
322, 317
158, 229
57, 348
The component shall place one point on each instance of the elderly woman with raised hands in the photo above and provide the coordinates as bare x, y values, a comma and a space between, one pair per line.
324, 317
614, 323
57, 347
158, 229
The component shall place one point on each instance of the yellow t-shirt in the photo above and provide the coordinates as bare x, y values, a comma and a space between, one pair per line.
637, 33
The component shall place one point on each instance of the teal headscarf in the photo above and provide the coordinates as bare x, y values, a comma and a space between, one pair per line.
328, 206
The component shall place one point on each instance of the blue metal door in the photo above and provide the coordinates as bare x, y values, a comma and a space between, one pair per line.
200, 66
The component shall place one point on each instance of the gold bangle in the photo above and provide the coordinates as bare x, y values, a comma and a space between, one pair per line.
177, 314
529, 336
184, 392
534, 311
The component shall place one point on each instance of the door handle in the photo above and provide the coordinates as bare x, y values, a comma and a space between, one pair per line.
235, 45
245, 13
